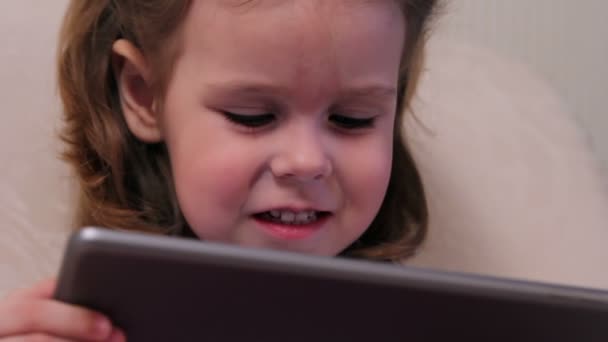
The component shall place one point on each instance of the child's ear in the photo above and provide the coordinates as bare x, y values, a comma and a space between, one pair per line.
137, 98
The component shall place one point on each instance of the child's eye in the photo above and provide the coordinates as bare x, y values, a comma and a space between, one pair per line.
347, 122
250, 121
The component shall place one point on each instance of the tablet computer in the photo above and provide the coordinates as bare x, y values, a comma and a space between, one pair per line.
173, 289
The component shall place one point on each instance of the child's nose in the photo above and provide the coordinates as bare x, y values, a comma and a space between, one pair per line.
303, 157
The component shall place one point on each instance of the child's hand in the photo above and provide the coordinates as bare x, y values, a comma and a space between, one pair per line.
32, 315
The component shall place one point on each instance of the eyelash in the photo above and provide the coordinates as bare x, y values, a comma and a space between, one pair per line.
350, 123
250, 121
259, 121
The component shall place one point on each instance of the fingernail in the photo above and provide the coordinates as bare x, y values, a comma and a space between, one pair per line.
103, 327
118, 336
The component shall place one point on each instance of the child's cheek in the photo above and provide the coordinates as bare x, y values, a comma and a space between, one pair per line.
211, 189
370, 174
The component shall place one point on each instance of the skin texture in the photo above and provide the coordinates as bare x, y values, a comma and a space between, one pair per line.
294, 61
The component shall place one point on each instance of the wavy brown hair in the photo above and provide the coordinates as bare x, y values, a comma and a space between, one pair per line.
127, 184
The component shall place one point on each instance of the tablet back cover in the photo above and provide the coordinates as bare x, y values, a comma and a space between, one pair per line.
172, 289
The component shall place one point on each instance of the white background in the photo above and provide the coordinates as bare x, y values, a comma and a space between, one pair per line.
564, 41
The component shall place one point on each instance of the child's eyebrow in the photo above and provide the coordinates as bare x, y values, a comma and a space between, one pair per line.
244, 88
247, 88
379, 91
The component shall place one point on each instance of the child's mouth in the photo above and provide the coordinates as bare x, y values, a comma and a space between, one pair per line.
289, 217
287, 224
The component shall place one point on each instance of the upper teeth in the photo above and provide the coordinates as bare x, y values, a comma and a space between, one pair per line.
300, 217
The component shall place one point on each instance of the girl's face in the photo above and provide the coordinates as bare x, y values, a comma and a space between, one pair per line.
279, 120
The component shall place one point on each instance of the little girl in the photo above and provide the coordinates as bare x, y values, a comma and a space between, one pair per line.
262, 123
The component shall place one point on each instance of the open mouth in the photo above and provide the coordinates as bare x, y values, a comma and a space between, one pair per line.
292, 218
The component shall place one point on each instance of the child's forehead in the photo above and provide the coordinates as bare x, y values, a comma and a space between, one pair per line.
303, 25
286, 41
257, 7
271, 3
307, 15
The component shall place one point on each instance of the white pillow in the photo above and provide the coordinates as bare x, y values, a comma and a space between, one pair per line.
35, 187
512, 186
